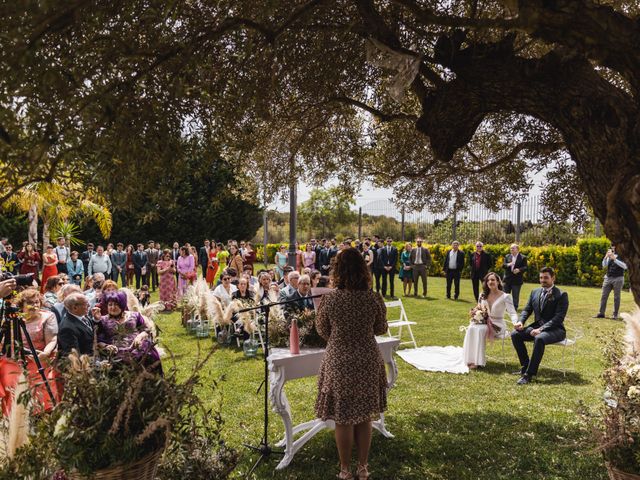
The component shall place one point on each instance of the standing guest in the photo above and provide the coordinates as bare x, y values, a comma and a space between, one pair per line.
63, 253
76, 328
515, 264
75, 269
262, 290
317, 248
453, 265
185, 267
281, 260
152, 258
168, 288
108, 252
119, 265
225, 290
249, 256
480, 262
613, 280
378, 265
130, 266
51, 289
223, 256
299, 258
352, 382
368, 256
10, 259
406, 275
324, 258
175, 255
309, 257
140, 264
86, 256
420, 262
50, 266
100, 262
549, 306
212, 265
30, 260
235, 259
389, 260
203, 257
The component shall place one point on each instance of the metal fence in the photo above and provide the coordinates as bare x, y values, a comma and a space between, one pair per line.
523, 221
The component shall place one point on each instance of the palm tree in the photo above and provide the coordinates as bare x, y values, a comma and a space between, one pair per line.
57, 204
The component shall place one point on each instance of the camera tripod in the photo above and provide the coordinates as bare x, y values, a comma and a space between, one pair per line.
13, 331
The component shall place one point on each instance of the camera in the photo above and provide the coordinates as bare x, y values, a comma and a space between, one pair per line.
21, 280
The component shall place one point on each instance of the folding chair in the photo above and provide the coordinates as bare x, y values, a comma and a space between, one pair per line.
573, 335
401, 322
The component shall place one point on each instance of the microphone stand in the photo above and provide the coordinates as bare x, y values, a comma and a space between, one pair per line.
264, 449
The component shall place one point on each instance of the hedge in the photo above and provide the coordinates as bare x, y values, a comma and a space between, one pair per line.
574, 265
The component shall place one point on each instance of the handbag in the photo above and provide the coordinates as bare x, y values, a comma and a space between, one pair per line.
143, 270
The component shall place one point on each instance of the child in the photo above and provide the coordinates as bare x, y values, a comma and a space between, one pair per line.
143, 296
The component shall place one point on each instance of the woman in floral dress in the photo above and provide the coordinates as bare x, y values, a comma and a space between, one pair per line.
352, 382
168, 288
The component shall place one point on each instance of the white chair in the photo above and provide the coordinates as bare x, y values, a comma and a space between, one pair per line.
400, 323
573, 335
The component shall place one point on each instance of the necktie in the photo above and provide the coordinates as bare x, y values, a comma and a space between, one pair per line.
544, 296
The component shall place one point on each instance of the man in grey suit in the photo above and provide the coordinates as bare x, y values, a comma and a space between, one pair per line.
549, 306
420, 260
291, 287
119, 262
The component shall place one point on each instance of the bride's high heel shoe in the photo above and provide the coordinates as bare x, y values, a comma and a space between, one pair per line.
363, 472
344, 475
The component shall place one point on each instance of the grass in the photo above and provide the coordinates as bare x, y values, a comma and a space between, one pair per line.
476, 426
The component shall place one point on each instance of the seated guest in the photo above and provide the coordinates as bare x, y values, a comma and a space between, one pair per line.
95, 293
76, 328
225, 290
109, 286
291, 287
284, 281
300, 296
549, 305
262, 291
143, 296
58, 308
315, 276
497, 303
124, 333
51, 289
242, 298
42, 327
247, 273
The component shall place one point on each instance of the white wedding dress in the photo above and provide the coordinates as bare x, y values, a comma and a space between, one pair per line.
475, 339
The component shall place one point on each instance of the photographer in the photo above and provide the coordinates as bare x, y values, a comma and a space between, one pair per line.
613, 280
7, 287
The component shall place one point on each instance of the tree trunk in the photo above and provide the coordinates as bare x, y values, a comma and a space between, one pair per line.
45, 233
33, 225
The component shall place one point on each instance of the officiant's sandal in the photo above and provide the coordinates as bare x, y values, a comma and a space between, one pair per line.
344, 475
363, 472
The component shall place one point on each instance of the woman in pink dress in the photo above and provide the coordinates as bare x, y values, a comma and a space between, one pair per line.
186, 268
50, 266
309, 257
168, 289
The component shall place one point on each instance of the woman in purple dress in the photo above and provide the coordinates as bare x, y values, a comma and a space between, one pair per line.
186, 266
124, 333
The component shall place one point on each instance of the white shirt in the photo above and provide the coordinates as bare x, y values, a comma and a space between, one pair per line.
62, 252
453, 260
225, 297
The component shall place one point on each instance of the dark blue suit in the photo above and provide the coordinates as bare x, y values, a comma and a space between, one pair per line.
388, 258
549, 317
75, 333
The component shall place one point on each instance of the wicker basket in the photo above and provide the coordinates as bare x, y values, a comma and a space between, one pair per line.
615, 474
143, 469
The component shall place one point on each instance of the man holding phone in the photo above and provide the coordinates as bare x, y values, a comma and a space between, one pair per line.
613, 280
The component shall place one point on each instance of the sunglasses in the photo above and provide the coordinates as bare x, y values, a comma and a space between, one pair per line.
226, 279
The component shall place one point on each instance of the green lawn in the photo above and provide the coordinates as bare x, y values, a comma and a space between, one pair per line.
476, 426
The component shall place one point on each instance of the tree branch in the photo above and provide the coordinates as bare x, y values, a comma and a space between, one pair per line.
379, 114
540, 148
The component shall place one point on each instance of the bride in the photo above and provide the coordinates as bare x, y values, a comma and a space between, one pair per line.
497, 303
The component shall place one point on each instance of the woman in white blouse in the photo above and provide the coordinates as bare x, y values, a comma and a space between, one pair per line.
497, 304
224, 291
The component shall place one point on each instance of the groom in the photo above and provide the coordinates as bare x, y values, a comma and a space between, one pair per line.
549, 305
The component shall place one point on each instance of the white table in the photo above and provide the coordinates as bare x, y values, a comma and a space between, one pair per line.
284, 366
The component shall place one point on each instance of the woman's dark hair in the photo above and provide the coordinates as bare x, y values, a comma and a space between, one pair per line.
185, 250
350, 271
323, 282
485, 286
52, 282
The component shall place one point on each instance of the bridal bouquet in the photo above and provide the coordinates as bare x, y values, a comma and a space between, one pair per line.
479, 315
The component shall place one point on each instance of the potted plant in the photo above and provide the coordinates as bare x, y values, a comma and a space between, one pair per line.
116, 421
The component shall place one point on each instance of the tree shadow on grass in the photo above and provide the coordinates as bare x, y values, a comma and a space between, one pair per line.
458, 446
